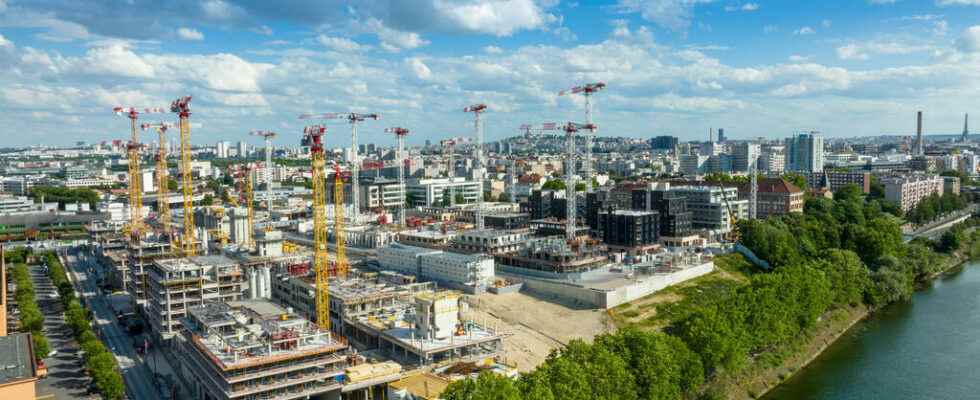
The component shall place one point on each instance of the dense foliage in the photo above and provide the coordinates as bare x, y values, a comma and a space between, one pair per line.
63, 195
836, 254
99, 362
31, 317
935, 206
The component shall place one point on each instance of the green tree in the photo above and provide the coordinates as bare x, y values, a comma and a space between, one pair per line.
172, 184
208, 200
504, 197
847, 275
553, 184
486, 386
796, 179
460, 199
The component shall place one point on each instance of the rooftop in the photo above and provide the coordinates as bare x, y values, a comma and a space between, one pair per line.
16, 357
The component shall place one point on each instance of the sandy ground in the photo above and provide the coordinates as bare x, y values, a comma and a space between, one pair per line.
536, 326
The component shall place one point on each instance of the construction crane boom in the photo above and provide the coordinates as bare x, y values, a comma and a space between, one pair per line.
353, 119
268, 136
400, 134
136, 226
587, 91
477, 110
181, 106
163, 180
313, 138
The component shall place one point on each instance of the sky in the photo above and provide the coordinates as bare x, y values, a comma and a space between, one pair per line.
759, 68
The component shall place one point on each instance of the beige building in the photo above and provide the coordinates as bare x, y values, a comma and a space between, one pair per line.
908, 191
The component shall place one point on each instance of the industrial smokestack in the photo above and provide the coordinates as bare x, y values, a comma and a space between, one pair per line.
919, 144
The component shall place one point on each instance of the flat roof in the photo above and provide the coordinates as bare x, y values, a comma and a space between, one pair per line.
16, 358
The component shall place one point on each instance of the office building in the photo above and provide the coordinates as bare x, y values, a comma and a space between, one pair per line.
629, 228
675, 219
746, 155
804, 152
430, 191
667, 143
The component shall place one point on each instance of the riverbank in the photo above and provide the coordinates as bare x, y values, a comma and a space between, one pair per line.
762, 376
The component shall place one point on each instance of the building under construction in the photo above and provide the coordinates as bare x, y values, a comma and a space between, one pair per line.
555, 256
176, 285
258, 350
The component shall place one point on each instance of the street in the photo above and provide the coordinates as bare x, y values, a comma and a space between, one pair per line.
66, 377
137, 376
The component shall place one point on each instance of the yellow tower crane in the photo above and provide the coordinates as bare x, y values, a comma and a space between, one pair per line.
163, 180
339, 230
312, 138
248, 197
136, 227
181, 106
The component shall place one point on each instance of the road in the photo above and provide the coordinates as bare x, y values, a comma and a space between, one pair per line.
138, 377
66, 378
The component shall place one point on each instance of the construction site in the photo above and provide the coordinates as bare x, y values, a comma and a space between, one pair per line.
318, 298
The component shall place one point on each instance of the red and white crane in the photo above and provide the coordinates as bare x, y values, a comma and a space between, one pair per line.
570, 129
477, 110
587, 90
449, 151
400, 134
268, 136
353, 119
136, 226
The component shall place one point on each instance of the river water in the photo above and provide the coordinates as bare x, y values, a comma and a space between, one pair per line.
928, 348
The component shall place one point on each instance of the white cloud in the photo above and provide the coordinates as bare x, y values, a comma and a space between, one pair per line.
189, 34
394, 40
958, 2
806, 30
748, 7
262, 30
799, 58
115, 60
338, 43
851, 52
969, 41
671, 14
418, 68
500, 18
6, 44
492, 50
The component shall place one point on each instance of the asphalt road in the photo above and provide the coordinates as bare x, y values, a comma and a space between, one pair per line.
66, 379
137, 376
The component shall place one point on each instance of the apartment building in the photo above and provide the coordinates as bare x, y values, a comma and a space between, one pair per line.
907, 191
175, 285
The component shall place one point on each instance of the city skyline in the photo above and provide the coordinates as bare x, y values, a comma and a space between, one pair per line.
674, 67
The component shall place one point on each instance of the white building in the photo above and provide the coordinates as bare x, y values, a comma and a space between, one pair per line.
221, 149
425, 192
908, 191
710, 205
470, 272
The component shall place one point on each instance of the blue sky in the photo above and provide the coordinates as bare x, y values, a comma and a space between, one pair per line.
756, 68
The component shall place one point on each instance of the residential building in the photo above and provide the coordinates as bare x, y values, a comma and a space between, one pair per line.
775, 196
711, 207
471, 272
951, 185
18, 379
746, 154
907, 191
177, 284
507, 220
836, 180
692, 164
674, 217
804, 152
488, 241
629, 228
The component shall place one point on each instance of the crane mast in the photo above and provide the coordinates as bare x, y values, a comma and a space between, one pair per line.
587, 91
448, 149
477, 110
400, 134
312, 137
163, 180
181, 106
570, 129
248, 197
339, 230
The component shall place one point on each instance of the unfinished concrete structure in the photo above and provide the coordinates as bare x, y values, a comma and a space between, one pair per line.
258, 350
554, 256
175, 285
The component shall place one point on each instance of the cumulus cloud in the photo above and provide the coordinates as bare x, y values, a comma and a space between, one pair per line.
418, 68
500, 18
189, 34
492, 50
338, 43
969, 41
671, 14
958, 2
5, 44
806, 30
743, 7
394, 40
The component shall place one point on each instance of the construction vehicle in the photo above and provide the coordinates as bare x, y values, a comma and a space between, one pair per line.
587, 91
163, 180
477, 110
355, 162
400, 134
181, 106
136, 226
313, 138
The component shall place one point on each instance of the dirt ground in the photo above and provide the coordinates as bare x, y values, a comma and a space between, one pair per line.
536, 326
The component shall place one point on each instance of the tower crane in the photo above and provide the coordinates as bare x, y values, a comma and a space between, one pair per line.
181, 106
163, 191
268, 136
136, 226
477, 110
587, 90
246, 195
353, 119
570, 129
313, 138
449, 151
400, 134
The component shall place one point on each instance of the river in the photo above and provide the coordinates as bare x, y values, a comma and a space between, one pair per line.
928, 348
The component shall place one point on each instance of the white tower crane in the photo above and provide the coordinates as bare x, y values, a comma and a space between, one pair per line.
400, 133
587, 91
477, 110
268, 136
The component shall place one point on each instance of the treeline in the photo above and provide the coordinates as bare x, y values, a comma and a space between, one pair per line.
836, 254
935, 206
64, 195
31, 317
99, 362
